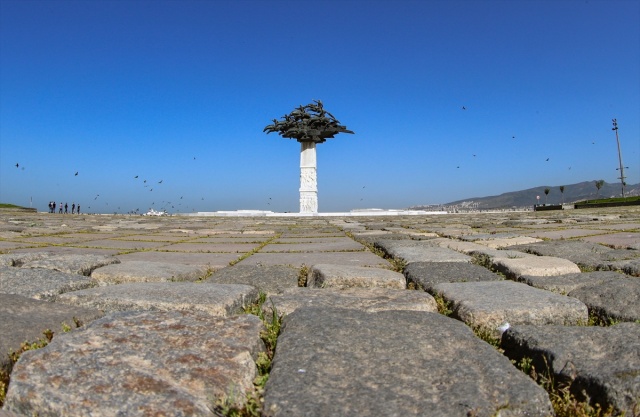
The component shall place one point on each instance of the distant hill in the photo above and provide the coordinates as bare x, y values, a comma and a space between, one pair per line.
572, 193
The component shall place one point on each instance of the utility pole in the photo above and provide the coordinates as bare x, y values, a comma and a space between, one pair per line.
622, 177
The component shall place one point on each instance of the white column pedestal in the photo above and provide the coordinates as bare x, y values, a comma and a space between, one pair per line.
308, 178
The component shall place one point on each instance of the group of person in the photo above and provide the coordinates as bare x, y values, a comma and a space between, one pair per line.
74, 209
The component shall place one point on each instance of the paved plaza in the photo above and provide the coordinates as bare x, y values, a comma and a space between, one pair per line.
403, 315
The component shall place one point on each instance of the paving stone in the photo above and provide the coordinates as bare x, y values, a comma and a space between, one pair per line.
339, 362
211, 247
617, 299
563, 284
621, 226
122, 244
497, 243
604, 362
9, 414
41, 284
341, 245
297, 260
213, 299
419, 251
24, 319
19, 259
487, 236
364, 299
72, 264
142, 271
494, 254
270, 279
621, 240
629, 267
146, 363
458, 245
427, 274
346, 276
8, 246
371, 237
51, 240
256, 240
543, 266
154, 238
491, 304
309, 239
565, 233
585, 254
209, 260
70, 251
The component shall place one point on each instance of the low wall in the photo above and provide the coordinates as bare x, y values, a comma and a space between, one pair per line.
614, 204
547, 207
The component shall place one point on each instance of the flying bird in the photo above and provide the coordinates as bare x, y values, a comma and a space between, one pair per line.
135, 176
17, 165
464, 108
76, 173
160, 182
547, 159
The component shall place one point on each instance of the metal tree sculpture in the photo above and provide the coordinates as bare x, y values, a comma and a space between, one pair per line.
309, 125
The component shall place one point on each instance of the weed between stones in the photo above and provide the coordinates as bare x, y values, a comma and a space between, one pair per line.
14, 356
227, 406
564, 403
303, 275
444, 307
397, 264
256, 249
599, 318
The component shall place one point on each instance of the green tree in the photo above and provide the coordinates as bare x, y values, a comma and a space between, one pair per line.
546, 193
599, 184
562, 192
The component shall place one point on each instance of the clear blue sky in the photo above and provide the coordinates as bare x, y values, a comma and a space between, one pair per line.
180, 91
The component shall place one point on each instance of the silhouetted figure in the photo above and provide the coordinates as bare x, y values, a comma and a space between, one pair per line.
60, 210
66, 208
73, 208
78, 209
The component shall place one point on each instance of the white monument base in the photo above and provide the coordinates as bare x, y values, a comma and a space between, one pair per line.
308, 178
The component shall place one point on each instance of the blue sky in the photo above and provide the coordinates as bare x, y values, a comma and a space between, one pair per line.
179, 92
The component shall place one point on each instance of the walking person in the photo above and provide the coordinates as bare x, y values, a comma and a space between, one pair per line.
50, 207
60, 210
66, 208
78, 209
73, 208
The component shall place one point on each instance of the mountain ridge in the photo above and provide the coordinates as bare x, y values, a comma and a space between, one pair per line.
526, 198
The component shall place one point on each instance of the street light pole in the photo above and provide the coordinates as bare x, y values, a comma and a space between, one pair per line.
622, 177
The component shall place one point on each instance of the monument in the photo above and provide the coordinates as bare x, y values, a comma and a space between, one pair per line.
309, 125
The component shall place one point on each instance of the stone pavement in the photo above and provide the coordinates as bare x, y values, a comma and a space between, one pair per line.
380, 316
